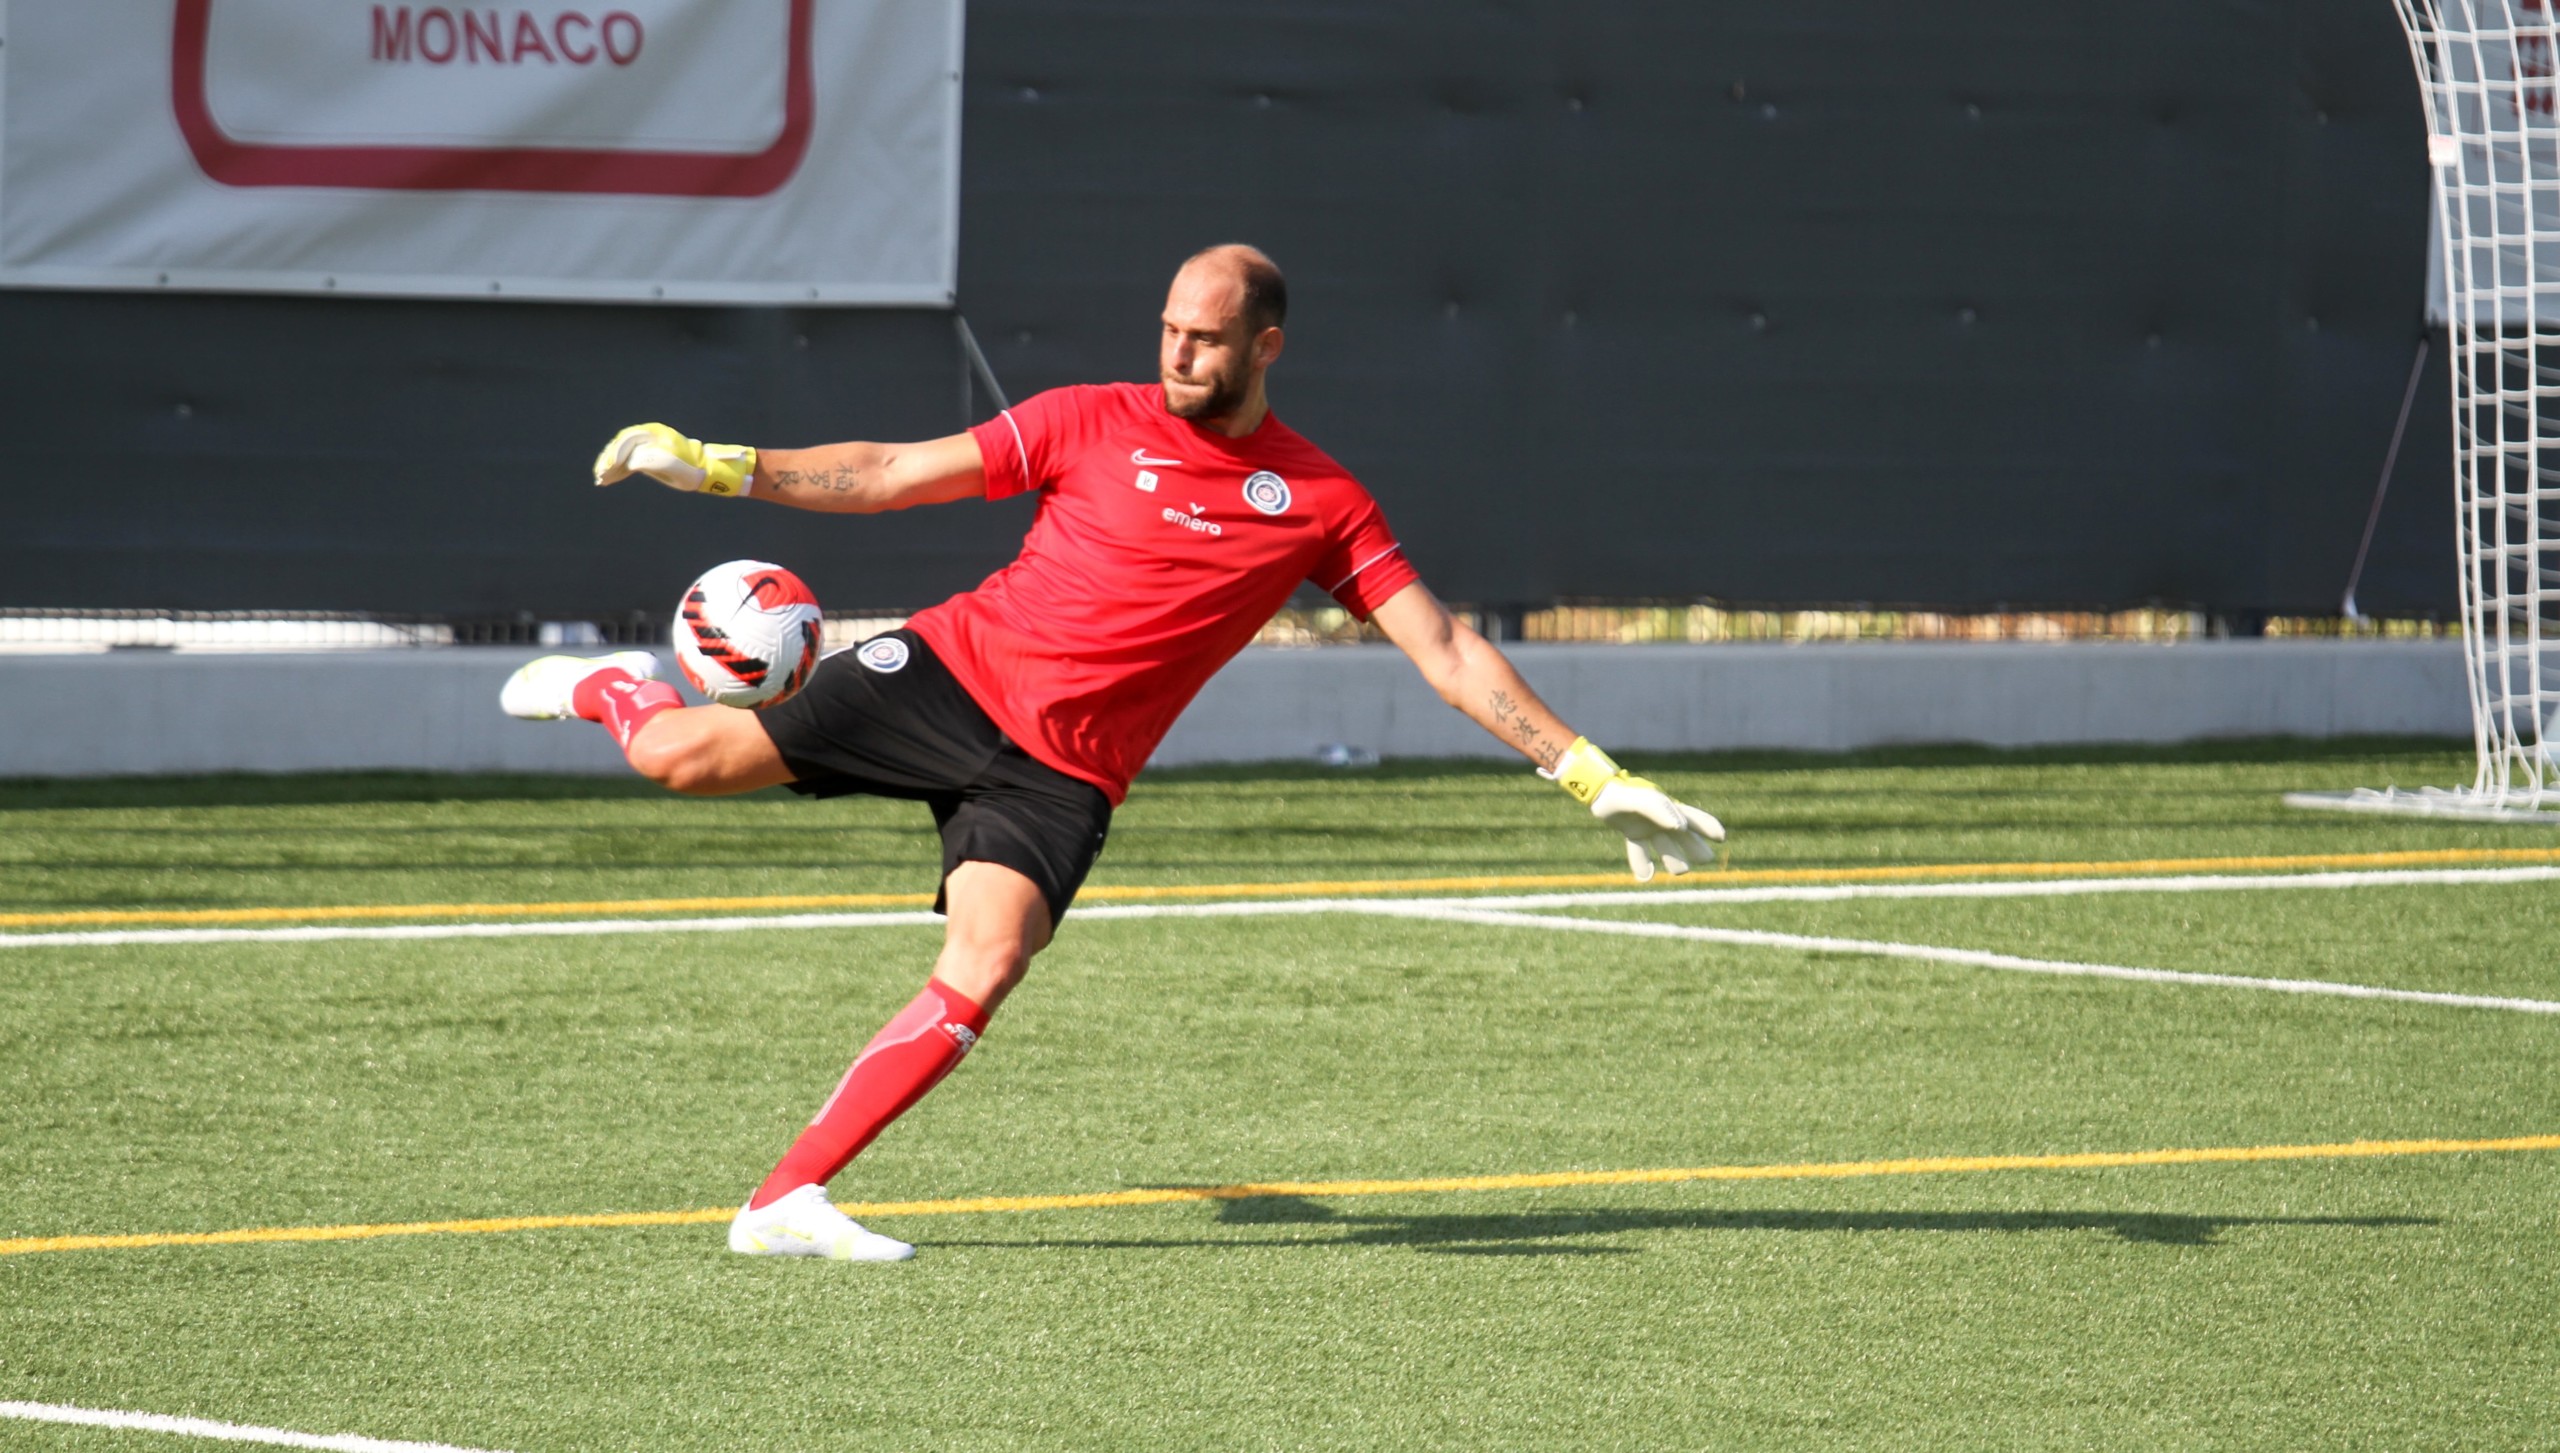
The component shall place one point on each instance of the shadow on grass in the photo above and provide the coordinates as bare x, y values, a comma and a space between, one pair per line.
1563, 1233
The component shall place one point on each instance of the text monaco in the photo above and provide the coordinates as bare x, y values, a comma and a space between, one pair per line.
439, 36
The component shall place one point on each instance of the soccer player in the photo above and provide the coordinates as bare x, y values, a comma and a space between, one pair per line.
1175, 518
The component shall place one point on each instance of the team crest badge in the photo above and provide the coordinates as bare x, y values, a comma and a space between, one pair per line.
883, 654
1267, 492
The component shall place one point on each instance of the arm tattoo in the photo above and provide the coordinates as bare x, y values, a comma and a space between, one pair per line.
1508, 716
836, 479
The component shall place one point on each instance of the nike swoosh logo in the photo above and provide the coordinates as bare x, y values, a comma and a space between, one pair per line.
1140, 458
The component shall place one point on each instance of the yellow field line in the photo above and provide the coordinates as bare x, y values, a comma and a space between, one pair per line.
1140, 893
1432, 1185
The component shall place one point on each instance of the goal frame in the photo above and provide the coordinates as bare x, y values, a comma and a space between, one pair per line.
2489, 75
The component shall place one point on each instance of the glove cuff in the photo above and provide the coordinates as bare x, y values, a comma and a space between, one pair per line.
1582, 771
728, 469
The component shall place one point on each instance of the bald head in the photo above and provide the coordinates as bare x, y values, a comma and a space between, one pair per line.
1265, 301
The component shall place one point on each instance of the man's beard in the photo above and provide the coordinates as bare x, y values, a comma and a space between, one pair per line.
1224, 398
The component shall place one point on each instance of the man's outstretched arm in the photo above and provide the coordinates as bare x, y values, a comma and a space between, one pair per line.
1477, 679
1472, 676
854, 478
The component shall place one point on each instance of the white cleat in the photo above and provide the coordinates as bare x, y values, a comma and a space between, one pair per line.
540, 689
804, 1224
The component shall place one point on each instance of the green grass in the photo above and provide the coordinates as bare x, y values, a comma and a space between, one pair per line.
225, 842
2386, 1304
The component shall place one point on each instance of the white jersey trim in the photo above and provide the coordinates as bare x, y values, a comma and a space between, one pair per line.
1363, 565
1021, 451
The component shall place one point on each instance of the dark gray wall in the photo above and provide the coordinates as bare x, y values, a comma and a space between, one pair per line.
1978, 303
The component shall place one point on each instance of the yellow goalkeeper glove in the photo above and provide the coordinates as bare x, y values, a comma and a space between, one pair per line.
676, 461
1656, 826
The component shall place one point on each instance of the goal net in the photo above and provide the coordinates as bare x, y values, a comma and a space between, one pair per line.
2487, 70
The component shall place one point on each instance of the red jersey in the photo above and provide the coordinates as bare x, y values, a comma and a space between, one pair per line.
1159, 549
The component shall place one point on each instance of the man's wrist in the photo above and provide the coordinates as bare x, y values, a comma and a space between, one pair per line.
1582, 771
728, 469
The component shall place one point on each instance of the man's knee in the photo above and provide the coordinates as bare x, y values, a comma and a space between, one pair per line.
984, 970
994, 944
998, 921
984, 966
985, 960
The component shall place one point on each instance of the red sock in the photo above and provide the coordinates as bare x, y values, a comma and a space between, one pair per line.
622, 701
909, 1056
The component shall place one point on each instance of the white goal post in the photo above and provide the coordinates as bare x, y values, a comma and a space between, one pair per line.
2489, 72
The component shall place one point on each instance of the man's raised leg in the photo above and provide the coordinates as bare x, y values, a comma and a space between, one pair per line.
704, 751
997, 919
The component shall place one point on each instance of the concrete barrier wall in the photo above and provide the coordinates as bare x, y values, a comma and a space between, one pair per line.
1837, 697
313, 711
436, 710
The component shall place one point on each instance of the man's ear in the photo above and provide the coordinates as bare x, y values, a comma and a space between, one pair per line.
1266, 348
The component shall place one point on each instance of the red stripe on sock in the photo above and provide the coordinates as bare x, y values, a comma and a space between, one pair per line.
587, 697
908, 1057
621, 701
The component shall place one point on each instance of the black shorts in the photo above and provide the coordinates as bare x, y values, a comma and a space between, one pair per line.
888, 719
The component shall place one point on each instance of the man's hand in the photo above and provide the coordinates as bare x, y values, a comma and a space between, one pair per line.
676, 461
1655, 825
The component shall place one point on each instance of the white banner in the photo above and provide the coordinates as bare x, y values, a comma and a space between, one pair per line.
688, 150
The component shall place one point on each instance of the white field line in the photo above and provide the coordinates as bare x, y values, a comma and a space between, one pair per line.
1290, 907
1494, 911
586, 927
1751, 938
566, 928
2028, 888
220, 1432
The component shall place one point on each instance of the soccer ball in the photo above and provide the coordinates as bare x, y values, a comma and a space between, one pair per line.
747, 633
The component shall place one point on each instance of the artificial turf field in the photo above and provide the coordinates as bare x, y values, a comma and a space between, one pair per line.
2394, 1301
